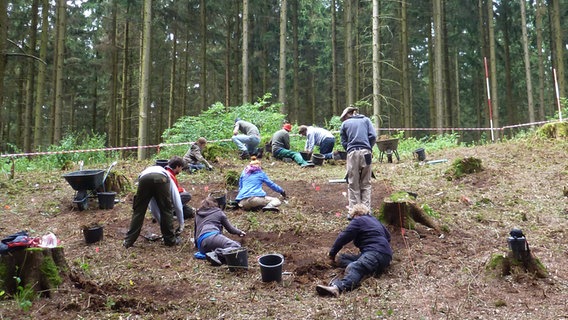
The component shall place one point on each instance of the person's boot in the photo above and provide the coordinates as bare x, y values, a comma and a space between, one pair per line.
270, 207
244, 155
332, 290
259, 153
213, 259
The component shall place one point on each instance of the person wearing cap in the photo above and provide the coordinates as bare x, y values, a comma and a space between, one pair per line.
208, 232
320, 137
373, 241
247, 137
155, 184
194, 159
251, 195
358, 136
281, 146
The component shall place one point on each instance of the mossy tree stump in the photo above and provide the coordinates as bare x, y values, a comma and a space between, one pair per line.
524, 262
401, 210
41, 269
117, 182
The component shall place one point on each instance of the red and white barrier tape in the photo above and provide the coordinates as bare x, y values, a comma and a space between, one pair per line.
158, 146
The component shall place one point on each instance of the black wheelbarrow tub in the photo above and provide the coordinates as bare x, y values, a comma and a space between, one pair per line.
85, 179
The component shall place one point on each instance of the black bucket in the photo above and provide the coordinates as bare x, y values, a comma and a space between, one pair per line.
162, 162
106, 199
220, 197
317, 159
271, 267
94, 234
342, 155
305, 155
420, 154
237, 259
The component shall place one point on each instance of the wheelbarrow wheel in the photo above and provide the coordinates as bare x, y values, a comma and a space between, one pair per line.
83, 205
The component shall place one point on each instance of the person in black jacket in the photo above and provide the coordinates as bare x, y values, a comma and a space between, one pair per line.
373, 241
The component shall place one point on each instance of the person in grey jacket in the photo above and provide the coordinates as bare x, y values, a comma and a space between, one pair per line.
209, 239
358, 136
247, 137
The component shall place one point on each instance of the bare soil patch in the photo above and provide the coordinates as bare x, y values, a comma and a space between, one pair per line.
433, 275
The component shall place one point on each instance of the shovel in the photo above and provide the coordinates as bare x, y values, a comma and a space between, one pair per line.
106, 174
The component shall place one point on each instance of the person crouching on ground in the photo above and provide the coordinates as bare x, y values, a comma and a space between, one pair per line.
209, 239
185, 197
193, 157
281, 147
251, 195
320, 137
373, 241
154, 183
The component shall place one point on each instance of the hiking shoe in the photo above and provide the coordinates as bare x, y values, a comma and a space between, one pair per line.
259, 153
126, 244
307, 165
332, 291
244, 155
213, 259
176, 242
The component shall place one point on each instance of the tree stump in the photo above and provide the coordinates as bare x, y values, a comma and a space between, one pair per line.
41, 269
116, 182
401, 210
525, 262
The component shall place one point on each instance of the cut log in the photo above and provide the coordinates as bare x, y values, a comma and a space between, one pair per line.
41, 269
401, 210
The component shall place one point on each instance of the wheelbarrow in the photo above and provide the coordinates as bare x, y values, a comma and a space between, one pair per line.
388, 147
86, 183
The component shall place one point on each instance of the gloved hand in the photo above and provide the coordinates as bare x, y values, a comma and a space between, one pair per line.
283, 194
242, 234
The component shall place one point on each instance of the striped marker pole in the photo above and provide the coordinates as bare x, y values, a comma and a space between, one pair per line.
489, 99
557, 95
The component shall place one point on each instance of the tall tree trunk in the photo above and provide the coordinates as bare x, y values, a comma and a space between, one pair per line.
171, 100
405, 70
438, 65
296, 59
527, 61
60, 52
144, 87
509, 104
282, 66
245, 79
3, 38
376, 73
539, 14
29, 101
349, 64
334, 85
493, 67
558, 45
113, 119
203, 82
125, 105
39, 131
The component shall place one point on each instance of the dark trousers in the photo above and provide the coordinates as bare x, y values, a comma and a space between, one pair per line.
326, 147
360, 266
157, 186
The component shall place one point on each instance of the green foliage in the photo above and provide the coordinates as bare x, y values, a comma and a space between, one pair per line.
232, 178
461, 167
63, 159
24, 295
429, 211
217, 122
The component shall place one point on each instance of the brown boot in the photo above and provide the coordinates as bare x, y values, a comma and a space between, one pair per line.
332, 290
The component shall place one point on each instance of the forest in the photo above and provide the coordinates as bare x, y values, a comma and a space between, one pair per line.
129, 70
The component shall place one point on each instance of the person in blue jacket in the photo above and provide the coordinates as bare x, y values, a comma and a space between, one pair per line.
251, 195
373, 241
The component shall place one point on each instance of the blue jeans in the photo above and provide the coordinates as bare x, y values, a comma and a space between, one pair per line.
197, 166
246, 143
326, 147
359, 266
